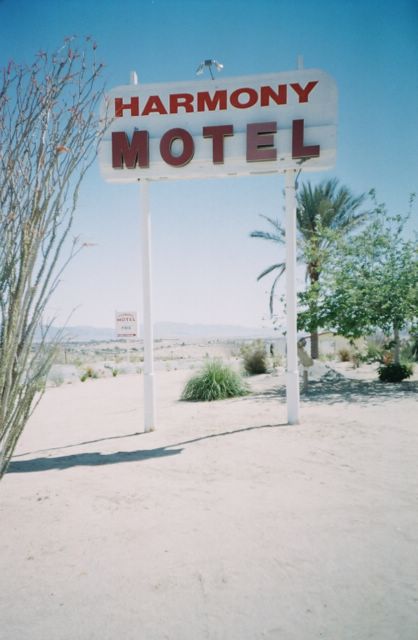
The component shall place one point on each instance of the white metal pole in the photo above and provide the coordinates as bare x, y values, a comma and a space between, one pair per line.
149, 395
292, 374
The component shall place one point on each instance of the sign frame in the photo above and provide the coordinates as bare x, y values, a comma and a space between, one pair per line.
281, 134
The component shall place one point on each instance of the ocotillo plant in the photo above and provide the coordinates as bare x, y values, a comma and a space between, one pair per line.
49, 132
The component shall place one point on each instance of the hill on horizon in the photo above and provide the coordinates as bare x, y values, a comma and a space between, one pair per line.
166, 330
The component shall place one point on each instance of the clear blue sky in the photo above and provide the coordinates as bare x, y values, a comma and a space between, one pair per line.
204, 263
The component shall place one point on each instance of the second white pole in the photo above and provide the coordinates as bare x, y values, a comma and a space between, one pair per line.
292, 373
149, 391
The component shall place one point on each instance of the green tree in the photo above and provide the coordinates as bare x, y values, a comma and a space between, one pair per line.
371, 283
48, 139
326, 207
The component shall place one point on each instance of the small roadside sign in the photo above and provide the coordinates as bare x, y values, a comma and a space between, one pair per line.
126, 324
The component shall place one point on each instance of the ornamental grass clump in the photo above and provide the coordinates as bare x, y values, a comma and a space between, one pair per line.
215, 381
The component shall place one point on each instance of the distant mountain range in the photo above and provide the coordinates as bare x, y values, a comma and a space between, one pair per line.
184, 330
166, 330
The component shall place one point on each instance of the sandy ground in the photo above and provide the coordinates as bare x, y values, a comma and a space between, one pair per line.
223, 524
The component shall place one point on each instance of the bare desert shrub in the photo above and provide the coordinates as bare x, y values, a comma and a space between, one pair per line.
255, 358
48, 139
344, 355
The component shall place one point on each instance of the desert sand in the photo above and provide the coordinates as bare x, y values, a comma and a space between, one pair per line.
223, 524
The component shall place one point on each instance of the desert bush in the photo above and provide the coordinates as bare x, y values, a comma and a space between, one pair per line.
136, 358
56, 379
409, 350
383, 353
344, 355
374, 353
89, 373
394, 372
255, 358
356, 359
215, 381
276, 360
387, 358
414, 345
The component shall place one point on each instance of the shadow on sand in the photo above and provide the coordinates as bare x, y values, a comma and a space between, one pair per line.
334, 388
87, 460
97, 459
331, 389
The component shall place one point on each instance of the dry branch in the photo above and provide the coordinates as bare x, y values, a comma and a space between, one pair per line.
49, 133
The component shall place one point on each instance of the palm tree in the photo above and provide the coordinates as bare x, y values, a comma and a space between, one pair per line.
327, 206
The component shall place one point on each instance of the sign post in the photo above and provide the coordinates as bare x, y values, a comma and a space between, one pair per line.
149, 394
250, 125
292, 373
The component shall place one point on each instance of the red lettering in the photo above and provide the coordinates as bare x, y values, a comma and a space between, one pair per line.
252, 97
210, 103
166, 144
267, 93
298, 148
260, 141
303, 93
154, 105
178, 100
120, 106
127, 154
218, 134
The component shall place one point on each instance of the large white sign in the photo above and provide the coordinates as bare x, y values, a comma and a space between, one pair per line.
126, 324
218, 128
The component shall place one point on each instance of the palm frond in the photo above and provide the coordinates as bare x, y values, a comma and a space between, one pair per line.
281, 266
328, 206
266, 235
273, 289
276, 235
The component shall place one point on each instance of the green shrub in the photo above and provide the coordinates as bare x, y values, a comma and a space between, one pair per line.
414, 345
215, 381
394, 372
409, 350
374, 353
255, 358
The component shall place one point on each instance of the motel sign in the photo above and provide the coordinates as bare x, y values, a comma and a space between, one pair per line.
252, 125
229, 127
